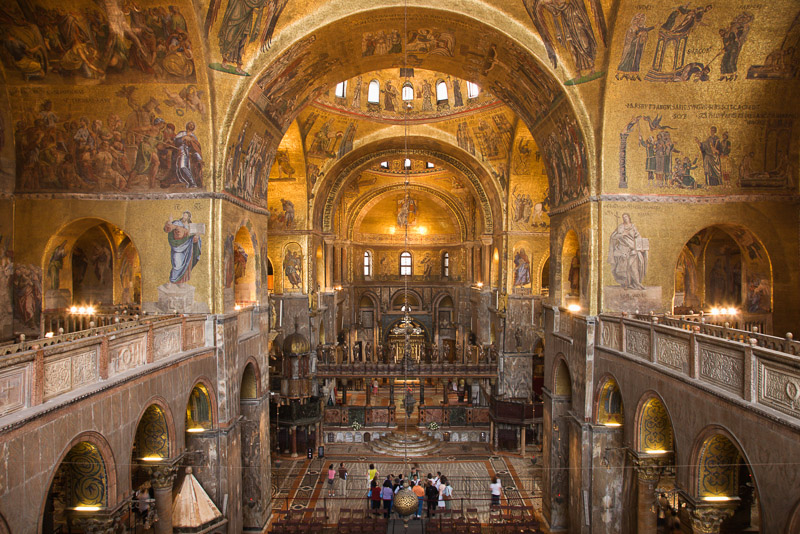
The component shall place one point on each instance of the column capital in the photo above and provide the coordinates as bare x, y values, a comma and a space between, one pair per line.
649, 468
707, 519
162, 476
97, 525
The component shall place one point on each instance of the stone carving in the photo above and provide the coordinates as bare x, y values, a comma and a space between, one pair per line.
611, 335
779, 389
637, 341
13, 390
672, 353
194, 335
166, 342
708, 520
721, 367
84, 368
127, 355
57, 377
516, 377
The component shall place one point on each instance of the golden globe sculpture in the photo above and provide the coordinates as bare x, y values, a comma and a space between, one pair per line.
405, 502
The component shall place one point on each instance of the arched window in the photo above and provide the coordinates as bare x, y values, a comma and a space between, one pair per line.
367, 264
407, 164
408, 91
429, 165
374, 93
341, 89
472, 90
441, 91
405, 264
384, 164
446, 264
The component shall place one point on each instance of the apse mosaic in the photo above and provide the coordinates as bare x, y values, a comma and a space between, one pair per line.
198, 410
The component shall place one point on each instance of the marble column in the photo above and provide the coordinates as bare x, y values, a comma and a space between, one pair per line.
293, 438
391, 392
318, 441
445, 400
369, 392
707, 519
162, 478
522, 441
421, 393
648, 471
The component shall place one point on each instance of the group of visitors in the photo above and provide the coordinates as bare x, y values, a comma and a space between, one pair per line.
342, 473
434, 489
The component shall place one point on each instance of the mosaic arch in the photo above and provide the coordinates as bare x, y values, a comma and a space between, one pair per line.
199, 409
724, 265
609, 404
249, 389
152, 434
326, 204
360, 209
562, 380
718, 462
83, 477
301, 72
654, 431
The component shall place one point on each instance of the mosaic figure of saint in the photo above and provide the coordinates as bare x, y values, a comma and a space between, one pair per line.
185, 248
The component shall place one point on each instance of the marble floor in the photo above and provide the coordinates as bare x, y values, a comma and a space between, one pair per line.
300, 484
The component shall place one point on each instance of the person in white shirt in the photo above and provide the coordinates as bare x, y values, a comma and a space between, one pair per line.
445, 493
497, 489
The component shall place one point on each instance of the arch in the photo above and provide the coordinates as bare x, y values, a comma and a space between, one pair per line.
654, 430
722, 266
200, 407
116, 277
414, 300
89, 457
374, 92
715, 461
368, 300
251, 381
244, 271
544, 276
562, 378
571, 276
154, 433
609, 408
364, 156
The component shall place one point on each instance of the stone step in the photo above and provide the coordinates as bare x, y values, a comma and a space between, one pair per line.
399, 444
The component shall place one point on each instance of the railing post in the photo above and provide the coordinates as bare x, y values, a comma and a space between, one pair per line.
694, 362
750, 373
37, 389
102, 360
653, 323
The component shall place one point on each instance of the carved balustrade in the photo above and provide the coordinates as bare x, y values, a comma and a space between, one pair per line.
744, 371
396, 370
38, 371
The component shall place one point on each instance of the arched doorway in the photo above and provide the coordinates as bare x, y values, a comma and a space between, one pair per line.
725, 271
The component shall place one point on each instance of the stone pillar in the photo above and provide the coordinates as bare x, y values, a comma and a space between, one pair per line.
344, 395
646, 508
391, 392
369, 392
293, 439
522, 441
491, 434
707, 519
318, 442
161, 478
329, 265
421, 393
445, 400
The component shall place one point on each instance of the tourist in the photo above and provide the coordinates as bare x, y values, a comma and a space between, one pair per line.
419, 491
387, 494
375, 496
497, 488
331, 478
343, 478
432, 494
372, 473
437, 480
445, 493
414, 476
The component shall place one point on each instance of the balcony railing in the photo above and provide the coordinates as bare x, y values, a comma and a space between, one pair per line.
714, 356
361, 369
79, 359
